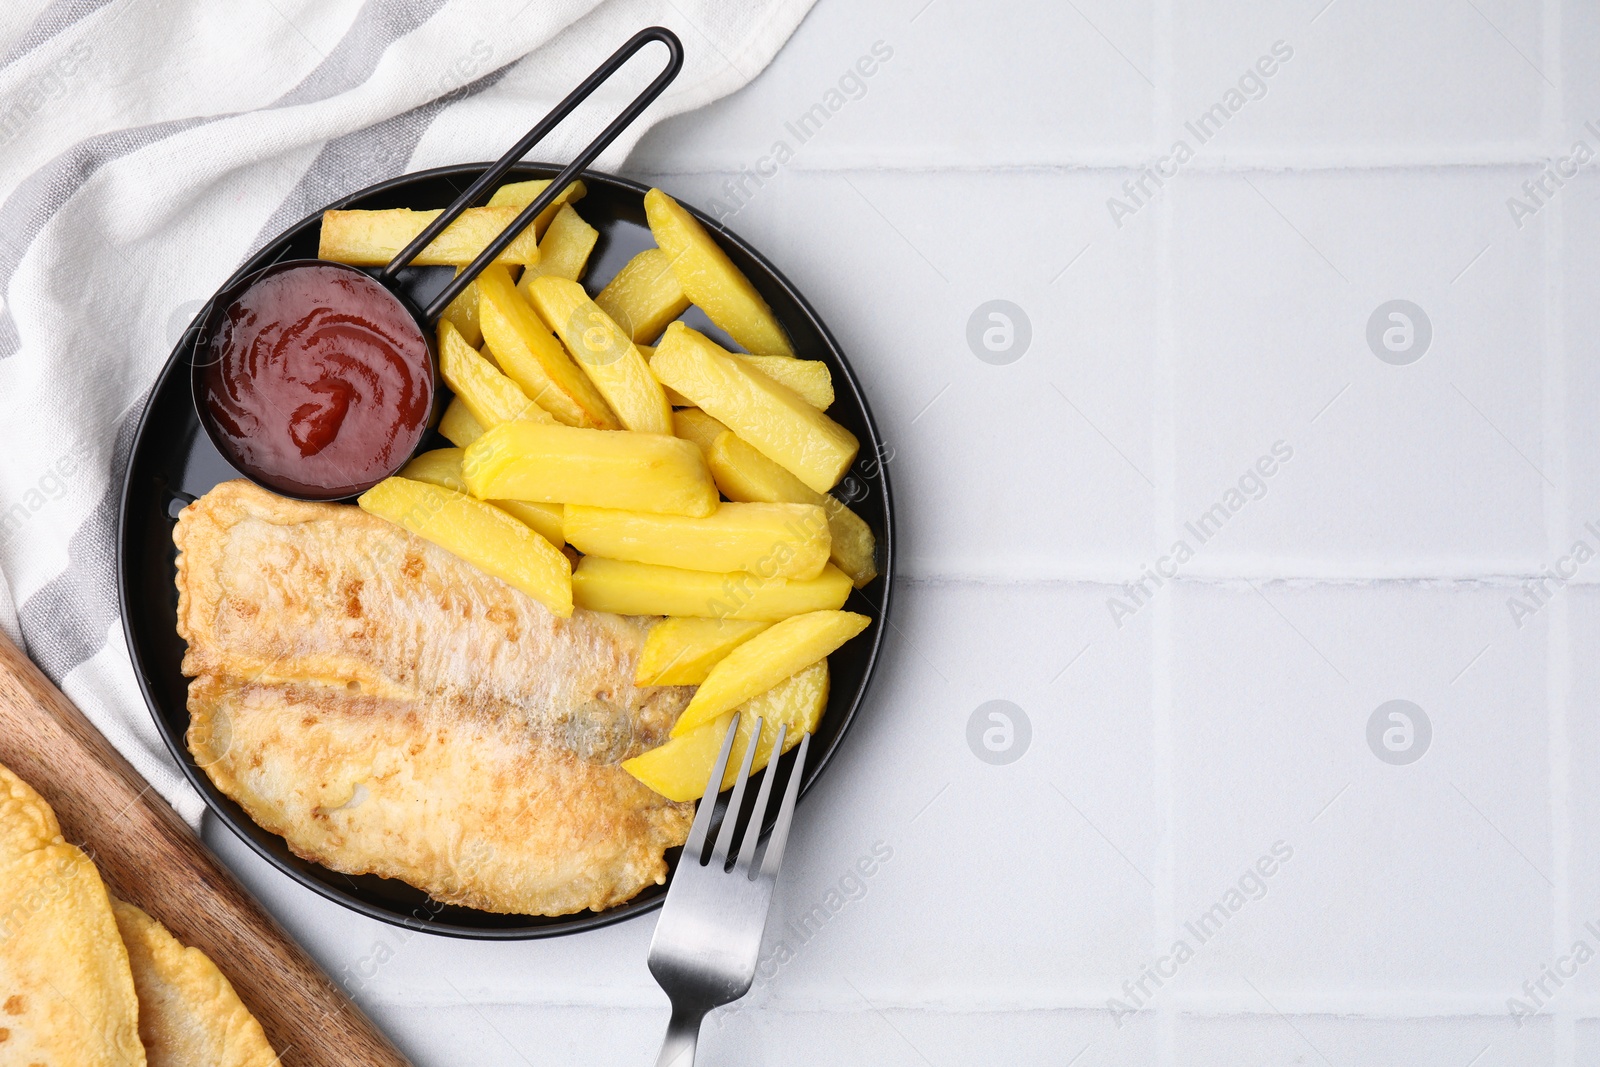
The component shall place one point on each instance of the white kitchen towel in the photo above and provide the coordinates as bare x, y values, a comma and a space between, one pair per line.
146, 149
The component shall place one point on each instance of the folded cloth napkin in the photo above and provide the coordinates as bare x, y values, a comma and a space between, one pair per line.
147, 149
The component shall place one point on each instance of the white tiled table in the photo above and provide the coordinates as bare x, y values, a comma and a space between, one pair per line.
1228, 712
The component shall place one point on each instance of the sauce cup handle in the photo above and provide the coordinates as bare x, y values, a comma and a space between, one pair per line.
492, 176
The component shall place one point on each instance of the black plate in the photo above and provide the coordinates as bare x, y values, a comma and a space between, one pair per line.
173, 462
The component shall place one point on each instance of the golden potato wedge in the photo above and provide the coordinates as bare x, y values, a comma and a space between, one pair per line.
604, 352
645, 589
479, 533
710, 279
644, 296
563, 250
683, 651
772, 417
678, 769
442, 467
557, 464
744, 474
854, 548
767, 659
463, 313
520, 194
488, 395
692, 424
373, 238
532, 357
458, 426
768, 540
808, 377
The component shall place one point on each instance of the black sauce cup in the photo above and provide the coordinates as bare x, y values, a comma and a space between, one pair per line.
214, 334
315, 477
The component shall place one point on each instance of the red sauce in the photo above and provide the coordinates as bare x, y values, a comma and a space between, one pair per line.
320, 382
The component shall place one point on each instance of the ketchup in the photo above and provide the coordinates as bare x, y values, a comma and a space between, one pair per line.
320, 383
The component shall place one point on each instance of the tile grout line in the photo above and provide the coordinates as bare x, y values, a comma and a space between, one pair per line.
1164, 457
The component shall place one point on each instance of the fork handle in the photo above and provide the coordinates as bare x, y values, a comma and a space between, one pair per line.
683, 1033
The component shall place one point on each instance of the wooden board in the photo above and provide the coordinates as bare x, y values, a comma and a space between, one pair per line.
149, 856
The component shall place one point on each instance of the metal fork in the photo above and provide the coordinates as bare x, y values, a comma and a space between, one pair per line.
709, 934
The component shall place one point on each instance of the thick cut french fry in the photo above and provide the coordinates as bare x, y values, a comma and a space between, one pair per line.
463, 312
489, 396
710, 279
744, 474
768, 540
479, 533
644, 296
532, 357
767, 659
520, 194
675, 398
457, 424
772, 417
442, 467
547, 519
604, 352
683, 651
645, 589
556, 464
692, 424
808, 377
563, 250
373, 238
678, 769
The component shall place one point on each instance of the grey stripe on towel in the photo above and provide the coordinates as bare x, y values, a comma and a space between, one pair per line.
66, 620
60, 15
32, 204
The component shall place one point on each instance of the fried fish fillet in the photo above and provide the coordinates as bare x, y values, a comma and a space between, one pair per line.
389, 709
66, 991
189, 1014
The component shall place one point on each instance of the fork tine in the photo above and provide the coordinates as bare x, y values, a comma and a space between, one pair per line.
719, 853
696, 843
758, 813
780, 831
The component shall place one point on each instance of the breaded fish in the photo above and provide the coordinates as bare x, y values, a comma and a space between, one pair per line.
66, 991
390, 709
